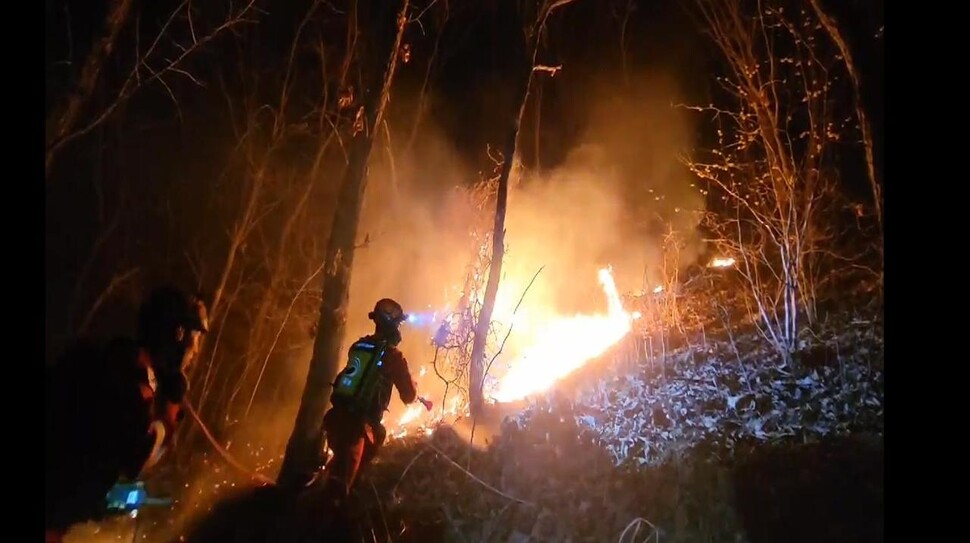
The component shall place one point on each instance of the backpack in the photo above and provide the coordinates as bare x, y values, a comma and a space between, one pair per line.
357, 385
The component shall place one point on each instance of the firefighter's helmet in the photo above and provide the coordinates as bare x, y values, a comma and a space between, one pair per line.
387, 311
167, 308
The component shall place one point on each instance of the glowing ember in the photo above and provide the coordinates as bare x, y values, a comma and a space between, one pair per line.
721, 262
549, 347
563, 345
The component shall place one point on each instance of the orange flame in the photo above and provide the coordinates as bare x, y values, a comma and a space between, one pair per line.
564, 344
722, 262
550, 347
413, 412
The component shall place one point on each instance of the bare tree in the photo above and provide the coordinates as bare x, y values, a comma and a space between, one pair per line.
477, 369
832, 28
454, 339
440, 20
622, 13
281, 128
269, 223
67, 112
774, 165
304, 444
69, 119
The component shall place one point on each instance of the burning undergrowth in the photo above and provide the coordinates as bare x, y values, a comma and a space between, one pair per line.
693, 445
601, 205
689, 449
649, 444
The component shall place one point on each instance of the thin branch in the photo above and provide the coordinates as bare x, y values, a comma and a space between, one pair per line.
552, 70
475, 478
279, 332
232, 462
509, 332
481, 385
833, 30
636, 523
116, 281
423, 11
134, 82
405, 472
380, 509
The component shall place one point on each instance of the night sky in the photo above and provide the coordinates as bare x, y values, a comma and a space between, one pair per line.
154, 152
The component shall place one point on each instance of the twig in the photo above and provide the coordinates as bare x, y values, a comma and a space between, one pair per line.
492, 525
838, 355
405, 472
134, 83
92, 255
451, 522
514, 312
637, 522
223, 452
475, 478
272, 347
115, 282
557, 4
380, 509
550, 69
423, 11
212, 354
481, 385
737, 354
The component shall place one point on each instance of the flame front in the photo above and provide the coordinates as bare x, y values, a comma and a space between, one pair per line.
413, 412
548, 346
564, 344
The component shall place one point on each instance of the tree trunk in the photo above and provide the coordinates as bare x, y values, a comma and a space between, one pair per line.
303, 448
69, 111
476, 373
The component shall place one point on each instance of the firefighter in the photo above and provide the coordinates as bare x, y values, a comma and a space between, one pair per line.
171, 326
112, 409
361, 394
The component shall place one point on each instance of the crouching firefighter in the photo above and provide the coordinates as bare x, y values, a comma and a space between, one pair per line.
361, 394
112, 409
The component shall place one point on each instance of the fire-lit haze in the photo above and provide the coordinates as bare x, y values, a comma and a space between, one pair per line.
593, 223
547, 357
606, 205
